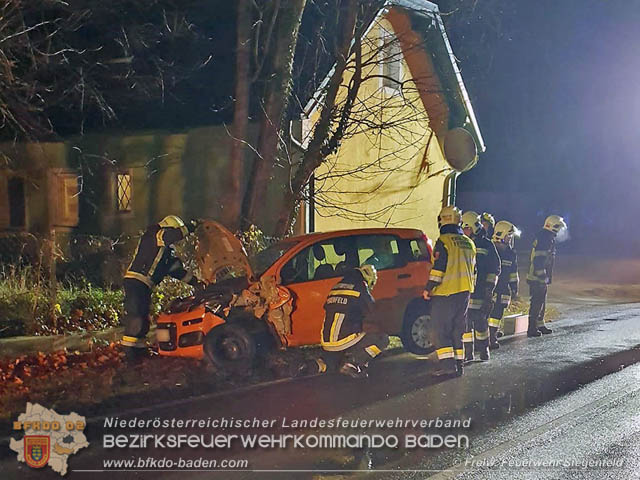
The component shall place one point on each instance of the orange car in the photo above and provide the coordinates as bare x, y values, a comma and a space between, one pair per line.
299, 272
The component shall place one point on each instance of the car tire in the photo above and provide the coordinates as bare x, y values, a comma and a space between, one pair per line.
230, 349
416, 333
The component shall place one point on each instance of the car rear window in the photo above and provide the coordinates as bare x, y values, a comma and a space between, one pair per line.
419, 252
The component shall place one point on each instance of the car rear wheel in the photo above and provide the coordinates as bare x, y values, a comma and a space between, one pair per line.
231, 349
416, 334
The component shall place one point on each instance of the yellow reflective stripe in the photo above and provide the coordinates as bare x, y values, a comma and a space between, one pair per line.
445, 352
348, 293
542, 253
482, 251
128, 341
507, 263
138, 276
467, 337
436, 273
344, 343
336, 326
373, 351
482, 335
159, 239
492, 278
156, 260
135, 253
494, 322
514, 277
459, 355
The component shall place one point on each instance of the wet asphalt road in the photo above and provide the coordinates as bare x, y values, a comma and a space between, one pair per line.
506, 400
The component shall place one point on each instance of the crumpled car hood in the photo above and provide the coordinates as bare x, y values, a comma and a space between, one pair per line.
219, 253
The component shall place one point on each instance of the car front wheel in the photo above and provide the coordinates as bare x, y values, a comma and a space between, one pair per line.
231, 349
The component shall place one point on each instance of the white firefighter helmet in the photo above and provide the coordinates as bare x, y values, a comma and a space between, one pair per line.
554, 223
487, 217
369, 274
449, 215
471, 220
505, 232
173, 221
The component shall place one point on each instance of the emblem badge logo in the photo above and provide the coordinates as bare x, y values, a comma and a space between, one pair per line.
36, 450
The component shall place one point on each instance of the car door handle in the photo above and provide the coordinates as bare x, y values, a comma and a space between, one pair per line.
404, 275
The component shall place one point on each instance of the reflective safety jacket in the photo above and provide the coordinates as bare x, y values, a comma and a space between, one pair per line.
508, 281
348, 302
154, 258
543, 255
455, 263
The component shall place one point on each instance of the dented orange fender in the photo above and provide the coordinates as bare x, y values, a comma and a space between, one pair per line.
174, 326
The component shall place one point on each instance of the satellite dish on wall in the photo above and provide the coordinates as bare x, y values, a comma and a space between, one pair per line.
460, 149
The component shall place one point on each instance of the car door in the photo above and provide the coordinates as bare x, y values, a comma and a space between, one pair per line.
310, 275
383, 252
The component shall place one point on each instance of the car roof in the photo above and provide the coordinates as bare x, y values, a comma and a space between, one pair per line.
401, 232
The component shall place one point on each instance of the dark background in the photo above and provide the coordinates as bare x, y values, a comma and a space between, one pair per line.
556, 89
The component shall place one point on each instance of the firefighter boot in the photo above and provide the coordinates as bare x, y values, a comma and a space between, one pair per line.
135, 355
484, 354
544, 330
493, 340
446, 368
459, 368
352, 370
533, 331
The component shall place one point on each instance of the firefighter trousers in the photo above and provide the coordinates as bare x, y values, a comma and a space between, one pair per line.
495, 319
137, 306
538, 291
476, 335
367, 348
449, 317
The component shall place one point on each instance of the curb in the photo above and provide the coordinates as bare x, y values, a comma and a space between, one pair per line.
14, 347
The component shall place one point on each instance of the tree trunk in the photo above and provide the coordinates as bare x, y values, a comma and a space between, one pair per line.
316, 151
233, 200
276, 95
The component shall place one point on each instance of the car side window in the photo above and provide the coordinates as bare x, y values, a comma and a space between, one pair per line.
381, 251
325, 259
298, 268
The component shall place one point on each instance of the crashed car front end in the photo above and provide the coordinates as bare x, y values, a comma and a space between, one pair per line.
231, 292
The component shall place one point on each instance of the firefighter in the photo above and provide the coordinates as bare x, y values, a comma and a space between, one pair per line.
488, 268
488, 223
508, 281
153, 260
346, 308
451, 281
543, 253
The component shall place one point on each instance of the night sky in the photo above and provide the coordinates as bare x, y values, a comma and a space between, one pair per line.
558, 101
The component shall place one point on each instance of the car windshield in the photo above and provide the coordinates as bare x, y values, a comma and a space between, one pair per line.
267, 257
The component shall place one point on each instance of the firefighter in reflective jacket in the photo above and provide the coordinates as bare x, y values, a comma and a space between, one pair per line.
543, 255
451, 281
476, 335
347, 305
508, 280
153, 260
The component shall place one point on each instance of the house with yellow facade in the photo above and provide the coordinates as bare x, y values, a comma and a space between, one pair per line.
411, 133
414, 129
